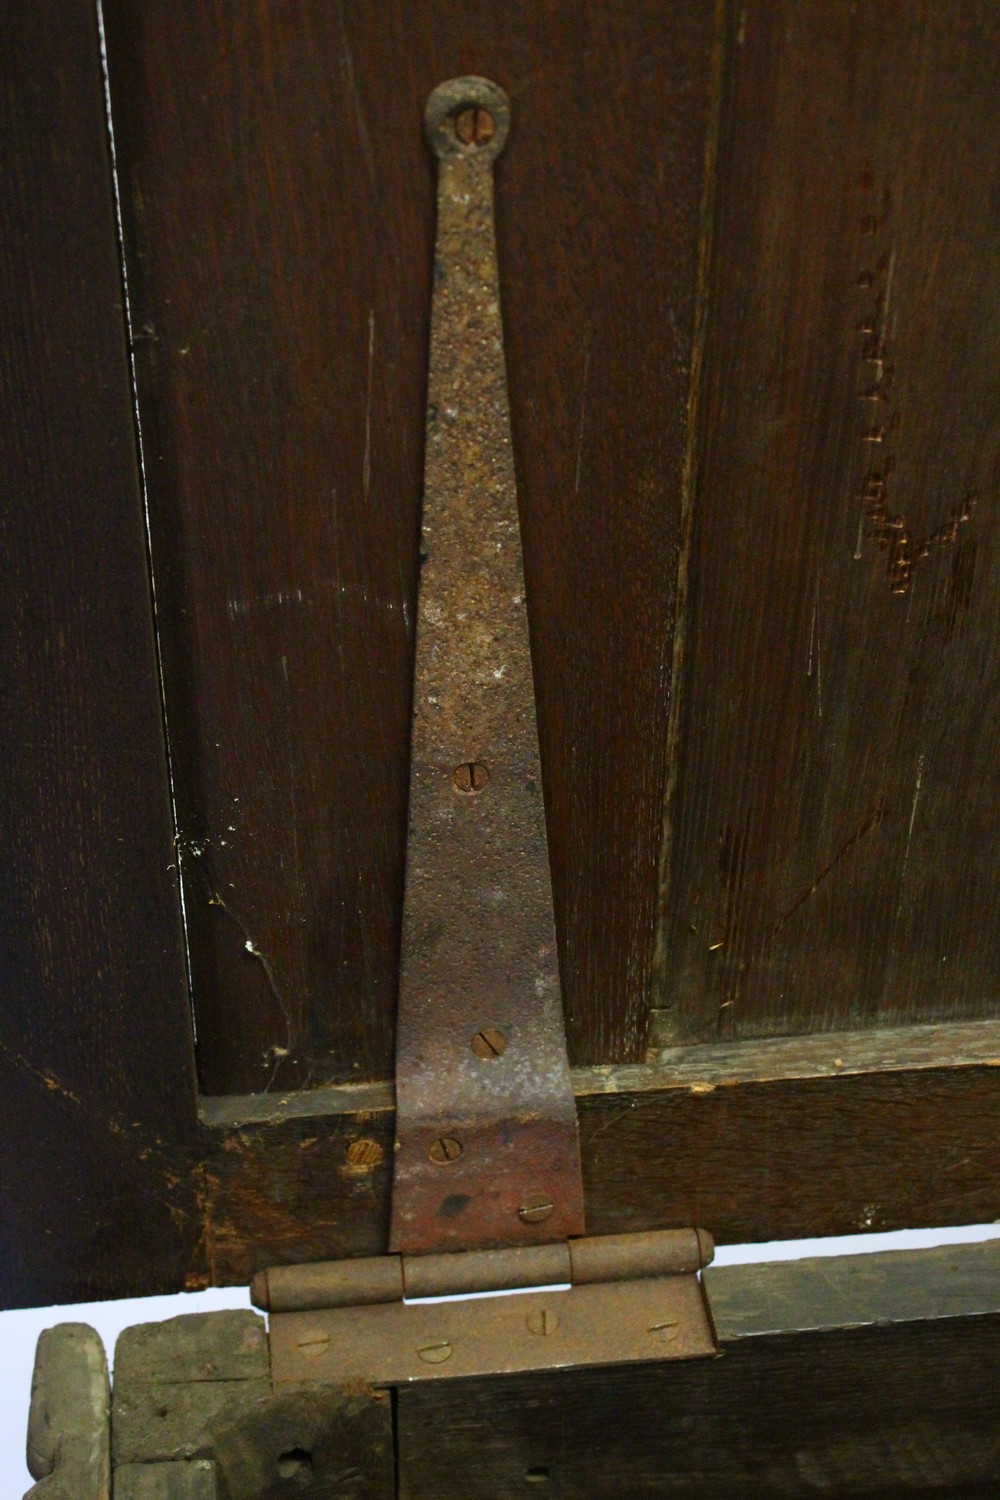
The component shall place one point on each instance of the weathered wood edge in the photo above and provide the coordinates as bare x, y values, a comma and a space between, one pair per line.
836, 1054
750, 1157
818, 1055
854, 1291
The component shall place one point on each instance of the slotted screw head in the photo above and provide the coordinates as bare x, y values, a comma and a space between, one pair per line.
542, 1320
313, 1343
536, 1208
445, 1150
489, 1043
470, 778
474, 126
435, 1354
364, 1153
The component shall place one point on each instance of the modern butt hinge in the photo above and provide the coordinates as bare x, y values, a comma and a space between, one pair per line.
487, 1187
607, 1299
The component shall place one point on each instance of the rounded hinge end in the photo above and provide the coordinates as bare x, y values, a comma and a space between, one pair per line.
467, 117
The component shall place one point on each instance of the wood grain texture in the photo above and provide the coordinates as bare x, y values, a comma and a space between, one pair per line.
755, 1160
855, 1291
96, 1072
898, 1410
285, 1193
838, 827
278, 200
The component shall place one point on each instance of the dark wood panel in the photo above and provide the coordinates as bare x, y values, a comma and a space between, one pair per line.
290, 1191
749, 1160
278, 215
836, 850
96, 1072
890, 1412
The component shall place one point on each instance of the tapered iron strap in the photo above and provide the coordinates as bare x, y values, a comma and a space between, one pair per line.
486, 1151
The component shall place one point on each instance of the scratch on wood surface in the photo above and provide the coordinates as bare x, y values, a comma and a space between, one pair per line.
44, 1076
351, 86
871, 822
609, 1123
142, 1143
689, 479
237, 607
366, 468
205, 1194
909, 831
583, 411
277, 1053
814, 654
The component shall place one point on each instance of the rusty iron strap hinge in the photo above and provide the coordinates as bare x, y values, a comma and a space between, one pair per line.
486, 1150
487, 1195
631, 1297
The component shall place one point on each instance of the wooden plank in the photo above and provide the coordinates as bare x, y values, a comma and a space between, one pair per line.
749, 1159
901, 1409
829, 1053
837, 832
278, 218
855, 1291
96, 1083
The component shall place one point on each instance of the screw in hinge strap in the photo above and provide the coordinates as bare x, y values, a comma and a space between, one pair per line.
489, 1044
474, 126
445, 1150
470, 777
314, 1343
542, 1320
435, 1354
468, 117
535, 1208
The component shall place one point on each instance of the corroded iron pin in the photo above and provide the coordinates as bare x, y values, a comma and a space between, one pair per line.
486, 1150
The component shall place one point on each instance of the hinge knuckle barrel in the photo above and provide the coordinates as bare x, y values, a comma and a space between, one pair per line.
328, 1283
391, 1278
629, 1257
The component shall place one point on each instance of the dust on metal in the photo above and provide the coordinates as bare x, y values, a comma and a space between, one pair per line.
479, 946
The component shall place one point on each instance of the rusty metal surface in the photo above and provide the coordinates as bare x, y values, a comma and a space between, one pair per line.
396, 1343
487, 1152
388, 1278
